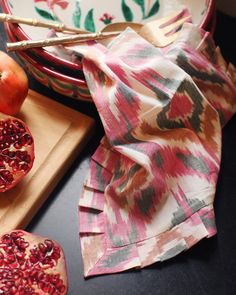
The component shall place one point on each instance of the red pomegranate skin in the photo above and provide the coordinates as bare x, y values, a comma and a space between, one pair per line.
14, 85
31, 265
16, 151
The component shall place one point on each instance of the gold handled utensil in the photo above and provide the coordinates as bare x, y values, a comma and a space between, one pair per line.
160, 33
59, 27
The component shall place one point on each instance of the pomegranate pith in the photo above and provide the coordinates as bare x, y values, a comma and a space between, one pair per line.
16, 151
31, 265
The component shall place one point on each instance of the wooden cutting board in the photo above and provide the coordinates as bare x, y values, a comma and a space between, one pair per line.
59, 133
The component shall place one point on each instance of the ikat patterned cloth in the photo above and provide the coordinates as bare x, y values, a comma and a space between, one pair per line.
151, 184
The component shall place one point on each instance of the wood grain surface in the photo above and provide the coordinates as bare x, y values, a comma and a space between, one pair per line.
59, 133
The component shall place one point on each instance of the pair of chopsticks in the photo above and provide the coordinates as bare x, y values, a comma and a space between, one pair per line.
80, 36
162, 28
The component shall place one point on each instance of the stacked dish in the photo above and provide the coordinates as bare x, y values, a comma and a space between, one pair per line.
62, 72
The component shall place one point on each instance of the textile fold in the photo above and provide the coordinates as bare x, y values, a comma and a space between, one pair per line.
151, 184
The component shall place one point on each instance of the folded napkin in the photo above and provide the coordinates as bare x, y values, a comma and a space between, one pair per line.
151, 184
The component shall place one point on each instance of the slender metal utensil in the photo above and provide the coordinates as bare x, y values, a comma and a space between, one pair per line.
159, 32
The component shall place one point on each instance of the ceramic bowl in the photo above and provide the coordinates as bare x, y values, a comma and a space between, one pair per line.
93, 15
65, 85
27, 33
60, 83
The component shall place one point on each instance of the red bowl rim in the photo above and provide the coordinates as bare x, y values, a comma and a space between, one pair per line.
44, 69
40, 51
210, 13
59, 76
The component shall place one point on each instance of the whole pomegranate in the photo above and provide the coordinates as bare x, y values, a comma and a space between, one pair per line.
31, 265
16, 151
14, 85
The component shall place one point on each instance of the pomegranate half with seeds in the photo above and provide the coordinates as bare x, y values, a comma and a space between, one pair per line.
16, 151
31, 265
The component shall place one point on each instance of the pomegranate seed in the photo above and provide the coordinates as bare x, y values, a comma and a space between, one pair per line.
49, 245
55, 255
16, 277
54, 280
23, 271
5, 289
6, 238
47, 260
34, 259
6, 176
59, 284
28, 139
11, 258
20, 255
46, 287
24, 167
9, 283
17, 145
41, 285
40, 275
12, 154
51, 289
14, 235
27, 158
62, 288
23, 245
13, 290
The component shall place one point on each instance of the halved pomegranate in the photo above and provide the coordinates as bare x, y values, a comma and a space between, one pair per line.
31, 265
16, 151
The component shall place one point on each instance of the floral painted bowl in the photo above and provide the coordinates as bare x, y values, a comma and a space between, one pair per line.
93, 15
65, 85
25, 32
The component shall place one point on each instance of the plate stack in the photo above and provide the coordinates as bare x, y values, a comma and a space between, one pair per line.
63, 72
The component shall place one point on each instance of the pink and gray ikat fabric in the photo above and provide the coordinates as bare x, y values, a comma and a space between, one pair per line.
151, 185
